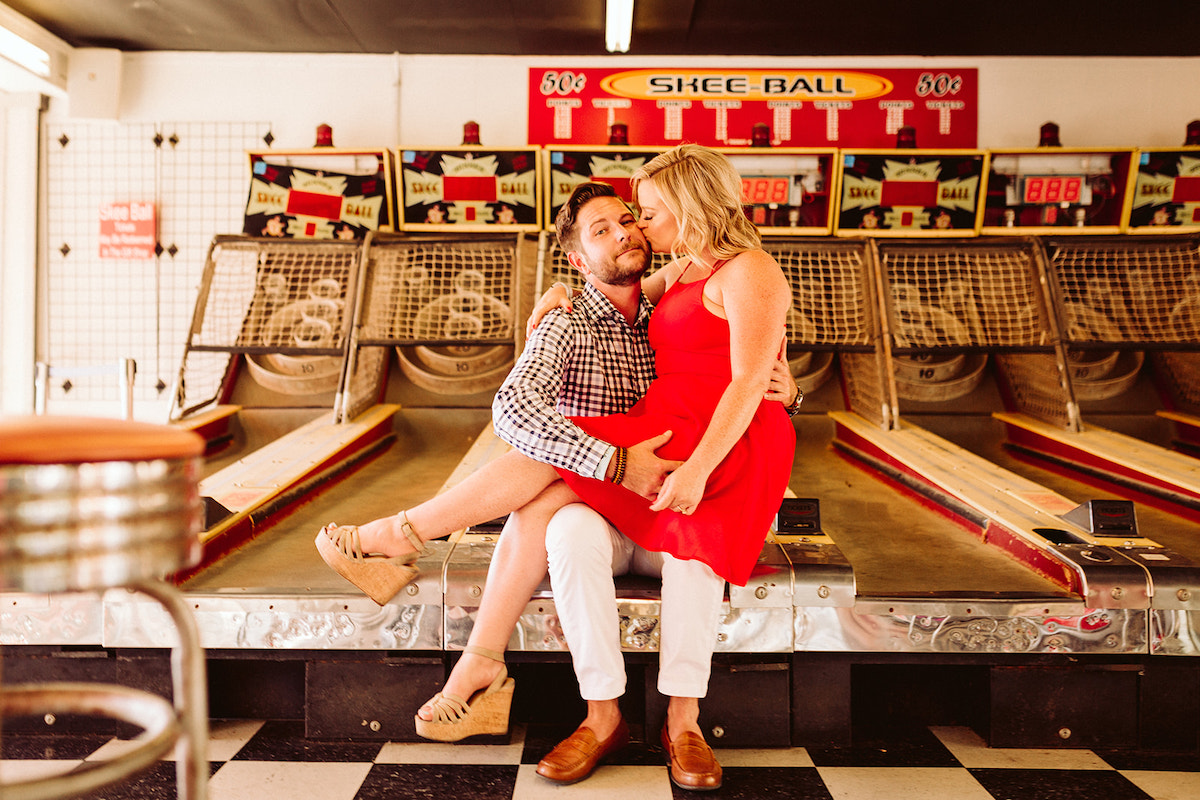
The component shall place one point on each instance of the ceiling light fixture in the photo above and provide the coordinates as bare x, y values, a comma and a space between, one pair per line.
24, 53
618, 26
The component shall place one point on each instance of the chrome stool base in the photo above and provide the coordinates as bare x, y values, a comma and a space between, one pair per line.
182, 726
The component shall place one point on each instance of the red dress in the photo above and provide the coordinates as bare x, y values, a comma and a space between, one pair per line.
727, 529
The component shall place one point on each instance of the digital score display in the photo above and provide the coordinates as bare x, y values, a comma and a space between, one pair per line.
1069, 190
1050, 189
784, 191
766, 190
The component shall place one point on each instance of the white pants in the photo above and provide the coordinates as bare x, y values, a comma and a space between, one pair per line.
584, 553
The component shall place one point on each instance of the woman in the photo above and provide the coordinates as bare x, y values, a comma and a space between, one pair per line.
723, 311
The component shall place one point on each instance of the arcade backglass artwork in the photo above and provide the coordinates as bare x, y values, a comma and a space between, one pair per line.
567, 166
785, 191
469, 188
1166, 192
320, 193
909, 192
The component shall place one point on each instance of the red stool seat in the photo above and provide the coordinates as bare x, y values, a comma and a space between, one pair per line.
74, 440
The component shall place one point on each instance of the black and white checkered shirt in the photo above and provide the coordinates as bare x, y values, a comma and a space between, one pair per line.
586, 363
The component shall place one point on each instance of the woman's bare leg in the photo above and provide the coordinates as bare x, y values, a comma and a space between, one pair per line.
495, 489
517, 567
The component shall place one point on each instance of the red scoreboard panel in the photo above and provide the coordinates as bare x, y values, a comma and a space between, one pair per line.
1057, 190
913, 193
664, 106
1166, 192
470, 188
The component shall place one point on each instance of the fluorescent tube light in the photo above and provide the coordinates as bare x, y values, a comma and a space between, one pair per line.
24, 53
618, 25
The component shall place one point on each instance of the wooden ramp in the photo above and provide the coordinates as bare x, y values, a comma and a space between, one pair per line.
1012, 513
1187, 430
1171, 477
243, 496
214, 425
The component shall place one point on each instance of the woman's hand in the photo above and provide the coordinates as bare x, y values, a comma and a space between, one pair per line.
557, 296
782, 386
682, 491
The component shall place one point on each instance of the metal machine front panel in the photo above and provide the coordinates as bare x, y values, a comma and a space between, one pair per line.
57, 619
910, 625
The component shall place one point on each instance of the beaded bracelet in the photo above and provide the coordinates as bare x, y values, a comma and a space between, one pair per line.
620, 458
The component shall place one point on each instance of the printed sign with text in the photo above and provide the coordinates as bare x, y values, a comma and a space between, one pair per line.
720, 107
128, 230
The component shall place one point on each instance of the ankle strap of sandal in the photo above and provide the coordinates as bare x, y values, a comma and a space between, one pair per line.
411, 534
483, 651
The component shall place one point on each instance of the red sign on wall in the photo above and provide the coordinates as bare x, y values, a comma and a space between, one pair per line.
720, 107
127, 230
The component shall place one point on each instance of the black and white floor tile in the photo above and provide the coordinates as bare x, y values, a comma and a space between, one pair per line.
274, 761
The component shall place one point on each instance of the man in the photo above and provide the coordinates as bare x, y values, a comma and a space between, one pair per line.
593, 361
597, 360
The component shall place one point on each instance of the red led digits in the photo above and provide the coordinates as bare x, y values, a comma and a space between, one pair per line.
756, 191
1053, 189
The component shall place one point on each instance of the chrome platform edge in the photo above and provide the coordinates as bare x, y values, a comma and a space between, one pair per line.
789, 606
250, 621
802, 597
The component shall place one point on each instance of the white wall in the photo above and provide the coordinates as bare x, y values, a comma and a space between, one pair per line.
356, 94
386, 100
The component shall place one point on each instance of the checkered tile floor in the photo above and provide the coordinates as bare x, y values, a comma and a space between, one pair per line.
273, 761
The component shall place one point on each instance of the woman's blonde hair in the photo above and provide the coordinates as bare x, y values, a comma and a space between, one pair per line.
701, 188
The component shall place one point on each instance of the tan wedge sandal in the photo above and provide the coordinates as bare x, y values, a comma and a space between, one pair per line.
486, 713
379, 577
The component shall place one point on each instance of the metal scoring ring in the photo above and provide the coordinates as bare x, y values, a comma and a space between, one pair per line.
1121, 378
462, 360
466, 313
1099, 375
962, 382
932, 377
312, 323
815, 370
456, 383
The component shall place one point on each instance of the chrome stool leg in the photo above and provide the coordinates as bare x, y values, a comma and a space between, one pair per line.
190, 691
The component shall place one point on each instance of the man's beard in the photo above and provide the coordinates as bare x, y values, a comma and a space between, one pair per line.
613, 273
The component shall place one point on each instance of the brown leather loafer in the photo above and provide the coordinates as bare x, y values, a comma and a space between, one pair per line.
579, 754
693, 765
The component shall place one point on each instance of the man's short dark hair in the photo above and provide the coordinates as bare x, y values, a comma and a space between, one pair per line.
564, 223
